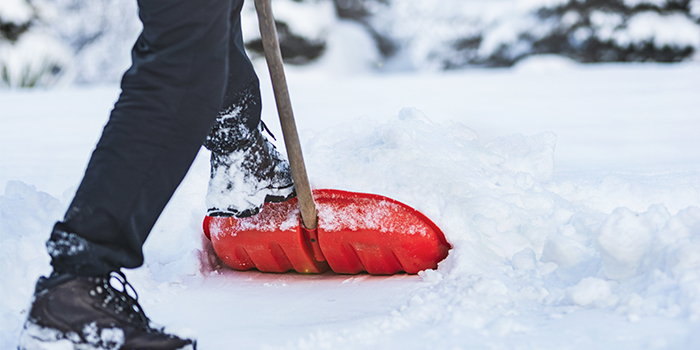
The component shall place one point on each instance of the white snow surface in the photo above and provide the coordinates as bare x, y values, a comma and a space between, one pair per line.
571, 196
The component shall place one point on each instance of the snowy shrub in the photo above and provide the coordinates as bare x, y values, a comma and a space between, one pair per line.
361, 11
426, 34
29, 55
100, 33
622, 30
15, 18
97, 36
40, 40
302, 27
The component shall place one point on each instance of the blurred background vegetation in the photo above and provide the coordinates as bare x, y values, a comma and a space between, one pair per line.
58, 42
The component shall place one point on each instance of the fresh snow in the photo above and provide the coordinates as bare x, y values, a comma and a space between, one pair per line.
570, 193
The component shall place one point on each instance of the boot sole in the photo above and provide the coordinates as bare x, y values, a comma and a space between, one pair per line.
35, 337
275, 195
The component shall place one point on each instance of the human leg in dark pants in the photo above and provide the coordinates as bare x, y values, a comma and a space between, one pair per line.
183, 72
170, 98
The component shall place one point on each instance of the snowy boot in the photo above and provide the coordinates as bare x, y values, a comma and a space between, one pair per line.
73, 312
243, 180
246, 169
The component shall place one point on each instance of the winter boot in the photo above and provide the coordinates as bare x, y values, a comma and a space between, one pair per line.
74, 312
246, 169
242, 180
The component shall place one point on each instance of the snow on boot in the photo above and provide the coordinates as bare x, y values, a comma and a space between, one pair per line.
74, 312
246, 169
243, 180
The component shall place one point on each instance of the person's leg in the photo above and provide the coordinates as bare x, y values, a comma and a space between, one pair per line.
169, 101
246, 169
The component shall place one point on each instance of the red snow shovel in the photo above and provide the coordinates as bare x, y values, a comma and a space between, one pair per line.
351, 232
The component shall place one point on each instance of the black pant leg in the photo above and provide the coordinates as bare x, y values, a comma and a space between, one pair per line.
169, 101
241, 107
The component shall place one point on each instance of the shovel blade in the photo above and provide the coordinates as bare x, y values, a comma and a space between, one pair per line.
356, 232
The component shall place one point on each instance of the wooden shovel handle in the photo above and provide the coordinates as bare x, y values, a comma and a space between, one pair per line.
273, 55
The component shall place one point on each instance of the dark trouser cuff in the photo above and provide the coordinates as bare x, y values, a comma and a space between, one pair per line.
74, 255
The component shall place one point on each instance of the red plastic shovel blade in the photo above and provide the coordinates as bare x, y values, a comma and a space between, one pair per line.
271, 241
356, 232
368, 232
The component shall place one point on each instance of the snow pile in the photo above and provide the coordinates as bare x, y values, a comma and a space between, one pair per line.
519, 244
26, 216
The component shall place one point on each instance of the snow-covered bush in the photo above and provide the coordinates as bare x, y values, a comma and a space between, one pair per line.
622, 30
40, 40
97, 36
100, 33
302, 25
29, 55
427, 34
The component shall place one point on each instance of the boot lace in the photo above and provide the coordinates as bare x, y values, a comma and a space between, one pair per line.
266, 129
120, 300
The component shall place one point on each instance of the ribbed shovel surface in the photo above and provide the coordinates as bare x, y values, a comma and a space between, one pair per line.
356, 232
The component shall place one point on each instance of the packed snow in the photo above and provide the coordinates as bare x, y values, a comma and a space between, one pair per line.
570, 193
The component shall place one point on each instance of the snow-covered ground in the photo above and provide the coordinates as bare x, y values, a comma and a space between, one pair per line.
571, 195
